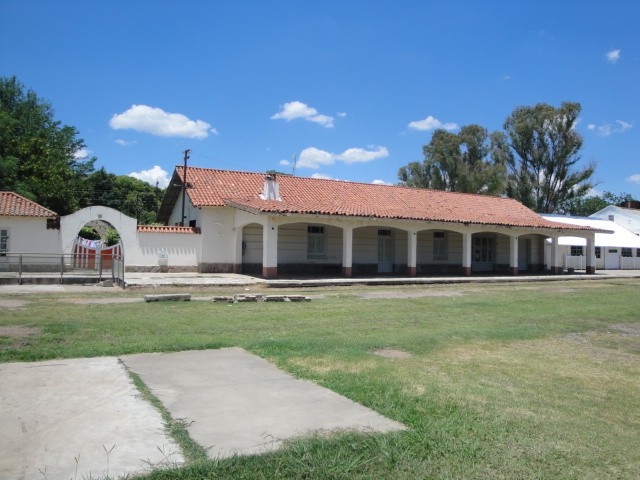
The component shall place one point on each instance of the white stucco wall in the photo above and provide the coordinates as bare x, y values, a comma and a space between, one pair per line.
183, 249
30, 235
190, 213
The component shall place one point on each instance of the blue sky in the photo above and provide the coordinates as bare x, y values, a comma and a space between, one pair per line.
352, 89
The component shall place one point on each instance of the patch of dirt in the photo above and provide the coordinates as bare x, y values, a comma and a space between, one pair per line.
18, 331
102, 301
391, 353
12, 303
400, 294
627, 328
555, 290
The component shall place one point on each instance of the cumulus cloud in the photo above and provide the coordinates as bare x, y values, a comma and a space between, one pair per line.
322, 176
614, 55
431, 123
607, 129
82, 153
292, 110
285, 163
381, 182
634, 178
360, 155
156, 174
314, 158
156, 121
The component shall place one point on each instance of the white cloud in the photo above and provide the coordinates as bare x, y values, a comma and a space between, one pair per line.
82, 153
607, 129
125, 143
634, 178
357, 155
431, 123
624, 125
314, 158
322, 176
156, 174
614, 55
292, 110
342, 114
507, 77
156, 121
381, 182
286, 163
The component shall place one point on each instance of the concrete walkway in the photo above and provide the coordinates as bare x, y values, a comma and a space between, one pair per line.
237, 403
56, 412
60, 415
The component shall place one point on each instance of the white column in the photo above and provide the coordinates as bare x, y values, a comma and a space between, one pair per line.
347, 251
513, 254
466, 253
237, 252
269, 250
591, 253
412, 252
555, 256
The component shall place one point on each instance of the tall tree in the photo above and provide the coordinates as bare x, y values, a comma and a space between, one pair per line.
586, 206
543, 173
471, 161
39, 155
126, 194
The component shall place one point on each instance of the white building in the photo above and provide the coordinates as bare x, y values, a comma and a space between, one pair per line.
628, 218
619, 249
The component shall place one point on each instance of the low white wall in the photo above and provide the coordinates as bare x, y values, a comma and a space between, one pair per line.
183, 249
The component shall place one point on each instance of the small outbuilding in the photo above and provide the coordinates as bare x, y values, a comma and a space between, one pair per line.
618, 249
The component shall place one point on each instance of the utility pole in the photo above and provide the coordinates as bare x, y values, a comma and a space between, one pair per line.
184, 183
295, 162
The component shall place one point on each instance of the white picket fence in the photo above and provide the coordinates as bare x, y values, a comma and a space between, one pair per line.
580, 262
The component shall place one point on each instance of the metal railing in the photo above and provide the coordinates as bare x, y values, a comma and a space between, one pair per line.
62, 266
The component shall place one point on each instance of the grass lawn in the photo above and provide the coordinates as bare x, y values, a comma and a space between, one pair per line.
533, 380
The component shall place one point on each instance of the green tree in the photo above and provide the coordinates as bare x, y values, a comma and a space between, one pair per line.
543, 173
126, 194
38, 155
586, 206
471, 161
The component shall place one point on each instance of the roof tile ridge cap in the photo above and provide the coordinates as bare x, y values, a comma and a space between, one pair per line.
210, 169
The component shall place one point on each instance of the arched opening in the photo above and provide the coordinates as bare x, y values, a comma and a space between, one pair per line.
490, 253
97, 246
251, 246
439, 252
379, 250
309, 249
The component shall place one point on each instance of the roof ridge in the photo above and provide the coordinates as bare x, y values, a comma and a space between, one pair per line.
352, 182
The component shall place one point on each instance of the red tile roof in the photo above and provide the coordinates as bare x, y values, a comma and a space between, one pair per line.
14, 205
167, 229
211, 187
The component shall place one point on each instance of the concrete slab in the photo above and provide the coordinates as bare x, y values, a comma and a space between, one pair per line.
54, 412
241, 404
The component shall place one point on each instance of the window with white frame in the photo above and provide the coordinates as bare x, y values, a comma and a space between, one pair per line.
440, 251
316, 241
598, 252
576, 250
4, 242
626, 252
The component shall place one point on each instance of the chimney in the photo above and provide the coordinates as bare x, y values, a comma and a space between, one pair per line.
270, 191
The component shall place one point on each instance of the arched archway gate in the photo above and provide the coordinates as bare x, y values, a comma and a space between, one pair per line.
88, 255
